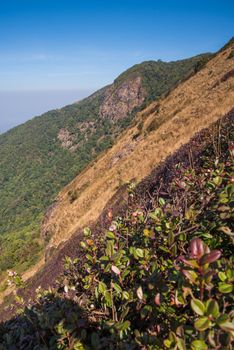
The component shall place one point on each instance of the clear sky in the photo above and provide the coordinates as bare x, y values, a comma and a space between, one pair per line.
64, 49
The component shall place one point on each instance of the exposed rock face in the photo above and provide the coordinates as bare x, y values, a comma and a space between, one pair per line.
69, 141
119, 101
66, 139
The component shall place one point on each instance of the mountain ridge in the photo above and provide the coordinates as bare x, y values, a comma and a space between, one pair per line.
41, 156
175, 118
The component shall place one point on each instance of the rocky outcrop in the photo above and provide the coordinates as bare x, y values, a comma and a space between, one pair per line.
67, 140
120, 100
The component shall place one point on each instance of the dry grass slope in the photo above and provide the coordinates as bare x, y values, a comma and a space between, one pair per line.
157, 132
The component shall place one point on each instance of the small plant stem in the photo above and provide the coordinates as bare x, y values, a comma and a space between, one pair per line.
201, 283
112, 303
202, 290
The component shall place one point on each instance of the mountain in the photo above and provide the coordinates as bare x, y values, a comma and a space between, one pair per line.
155, 268
157, 131
41, 156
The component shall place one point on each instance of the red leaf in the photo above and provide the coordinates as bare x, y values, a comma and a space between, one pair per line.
210, 257
157, 299
196, 248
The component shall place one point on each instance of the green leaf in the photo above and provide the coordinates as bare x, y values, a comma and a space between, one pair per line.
89, 257
202, 324
167, 343
83, 245
199, 345
146, 311
228, 327
140, 252
125, 325
210, 338
87, 232
212, 308
102, 287
198, 307
126, 295
161, 202
225, 288
117, 288
221, 319
108, 298
124, 313
217, 180
110, 248
104, 258
222, 276
164, 249
230, 273
181, 344
110, 235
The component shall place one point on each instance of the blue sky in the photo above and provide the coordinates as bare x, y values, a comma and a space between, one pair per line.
50, 47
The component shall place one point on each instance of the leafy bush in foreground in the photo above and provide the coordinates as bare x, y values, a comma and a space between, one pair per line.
160, 278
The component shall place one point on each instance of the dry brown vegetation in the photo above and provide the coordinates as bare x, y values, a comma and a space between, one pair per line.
164, 127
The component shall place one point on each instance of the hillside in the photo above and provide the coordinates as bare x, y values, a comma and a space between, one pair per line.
159, 273
158, 131
41, 156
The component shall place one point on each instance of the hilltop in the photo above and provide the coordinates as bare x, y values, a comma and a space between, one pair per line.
38, 158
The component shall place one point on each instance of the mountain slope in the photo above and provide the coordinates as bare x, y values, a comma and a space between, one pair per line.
159, 130
41, 156
164, 262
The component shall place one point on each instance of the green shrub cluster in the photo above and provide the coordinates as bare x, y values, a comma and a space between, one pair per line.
158, 278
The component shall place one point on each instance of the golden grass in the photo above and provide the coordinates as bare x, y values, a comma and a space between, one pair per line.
192, 106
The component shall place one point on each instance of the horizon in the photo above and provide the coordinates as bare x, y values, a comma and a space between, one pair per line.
53, 54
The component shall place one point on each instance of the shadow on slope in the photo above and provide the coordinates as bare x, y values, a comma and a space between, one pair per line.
44, 326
